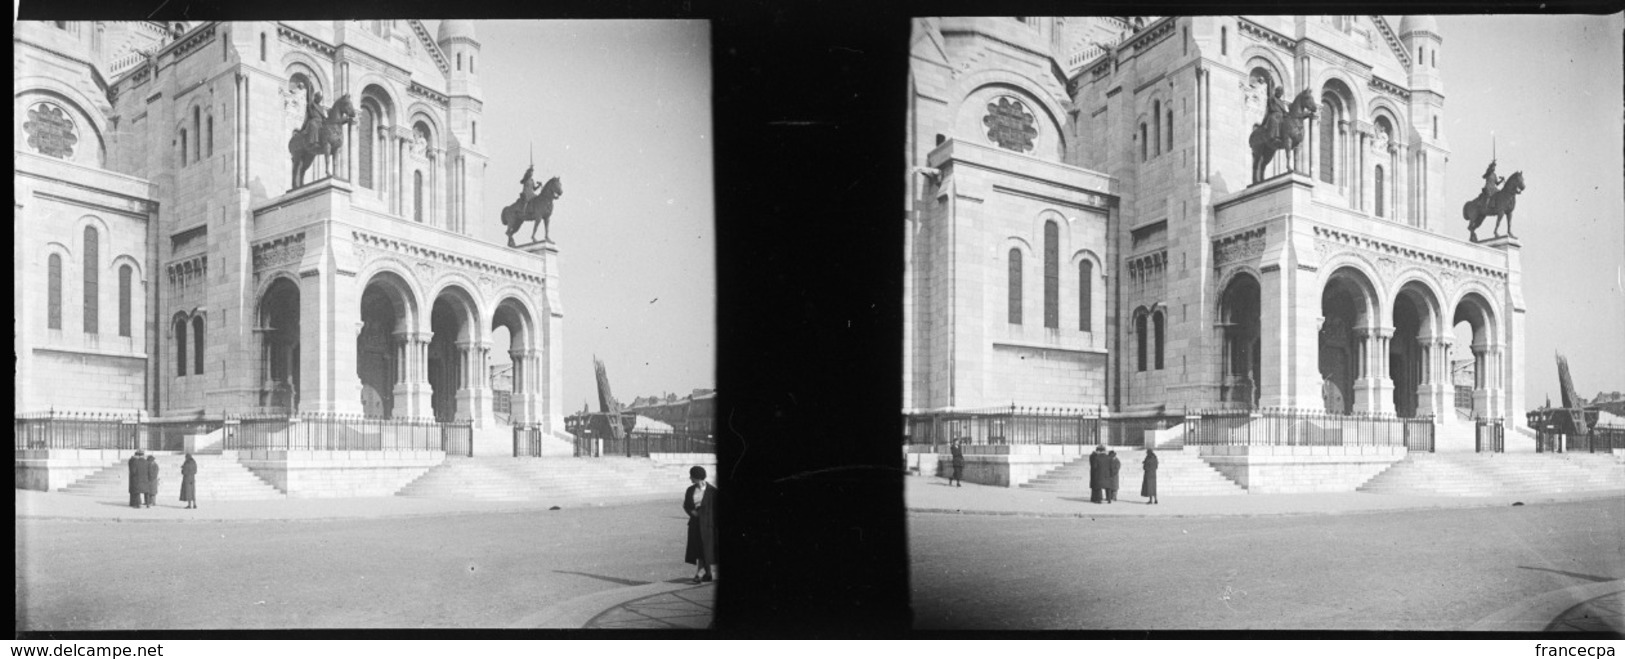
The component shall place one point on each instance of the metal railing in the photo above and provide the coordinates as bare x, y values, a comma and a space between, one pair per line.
1598, 439
343, 432
1030, 425
75, 430
1291, 427
1489, 436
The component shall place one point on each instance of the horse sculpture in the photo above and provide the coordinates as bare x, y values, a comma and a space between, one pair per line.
539, 210
320, 137
1499, 204
1265, 144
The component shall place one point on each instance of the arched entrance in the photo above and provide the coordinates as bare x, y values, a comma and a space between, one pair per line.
1415, 356
1347, 309
278, 332
1478, 316
512, 317
453, 367
384, 359
1240, 361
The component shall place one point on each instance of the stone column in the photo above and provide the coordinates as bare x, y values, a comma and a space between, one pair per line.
1373, 391
1480, 382
459, 378
517, 412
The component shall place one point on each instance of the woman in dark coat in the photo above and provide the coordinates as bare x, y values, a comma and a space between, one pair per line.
1113, 464
1148, 485
152, 480
1098, 472
958, 464
189, 481
700, 503
138, 479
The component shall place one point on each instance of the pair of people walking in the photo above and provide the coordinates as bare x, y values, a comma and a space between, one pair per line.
1103, 468
144, 480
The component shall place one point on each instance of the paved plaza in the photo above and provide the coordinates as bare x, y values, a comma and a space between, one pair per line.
83, 563
996, 558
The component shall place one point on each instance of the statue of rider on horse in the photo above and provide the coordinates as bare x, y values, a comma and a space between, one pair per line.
1494, 199
535, 204
1282, 129
321, 135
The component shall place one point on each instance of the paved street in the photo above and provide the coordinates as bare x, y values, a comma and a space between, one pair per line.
1400, 570
466, 570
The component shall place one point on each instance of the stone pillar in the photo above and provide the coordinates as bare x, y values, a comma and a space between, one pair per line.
1373, 391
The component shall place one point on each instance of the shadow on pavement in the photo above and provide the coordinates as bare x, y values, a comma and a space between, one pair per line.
1576, 575
623, 582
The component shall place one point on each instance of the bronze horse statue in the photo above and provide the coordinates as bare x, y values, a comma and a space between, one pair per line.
320, 137
1499, 204
539, 210
1265, 145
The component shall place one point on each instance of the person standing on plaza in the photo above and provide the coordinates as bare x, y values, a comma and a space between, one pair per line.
138, 479
1148, 484
152, 480
189, 482
958, 453
1097, 473
1112, 466
700, 503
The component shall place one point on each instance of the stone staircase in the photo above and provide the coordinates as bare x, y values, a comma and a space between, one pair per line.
544, 479
1179, 474
218, 479
1487, 474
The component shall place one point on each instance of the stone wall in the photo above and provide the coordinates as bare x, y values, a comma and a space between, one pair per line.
1282, 469
338, 474
998, 465
51, 470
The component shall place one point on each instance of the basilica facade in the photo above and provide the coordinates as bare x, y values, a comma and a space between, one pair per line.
1086, 228
168, 262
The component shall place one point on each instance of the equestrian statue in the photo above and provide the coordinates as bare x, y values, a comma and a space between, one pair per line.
322, 134
535, 204
1282, 129
1493, 201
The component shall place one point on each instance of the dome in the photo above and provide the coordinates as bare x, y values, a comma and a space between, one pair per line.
453, 29
1422, 23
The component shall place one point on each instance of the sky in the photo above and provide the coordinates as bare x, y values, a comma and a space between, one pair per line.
1549, 89
621, 112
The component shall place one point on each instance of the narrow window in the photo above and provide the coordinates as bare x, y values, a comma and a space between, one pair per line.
262, 46
210, 135
1143, 146
1435, 126
459, 61
180, 347
364, 138
1328, 141
91, 279
1052, 275
197, 129
197, 342
1434, 57
1015, 286
1156, 323
471, 62
417, 195
1224, 40
1140, 331
53, 292
183, 147
1086, 295
1419, 60
474, 134
124, 273
1170, 130
1156, 126
1377, 181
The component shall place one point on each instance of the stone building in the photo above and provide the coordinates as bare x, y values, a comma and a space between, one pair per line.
167, 264
1084, 229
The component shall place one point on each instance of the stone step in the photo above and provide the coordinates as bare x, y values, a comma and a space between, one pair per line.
1475, 474
1178, 474
532, 479
218, 479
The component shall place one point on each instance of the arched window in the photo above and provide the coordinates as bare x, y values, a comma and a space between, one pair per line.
197, 342
262, 46
92, 274
53, 292
417, 195
197, 129
1140, 332
210, 134
1329, 111
180, 347
1086, 295
124, 273
1156, 328
363, 141
183, 147
1143, 146
1156, 123
1015, 286
1377, 188
1052, 275
1170, 131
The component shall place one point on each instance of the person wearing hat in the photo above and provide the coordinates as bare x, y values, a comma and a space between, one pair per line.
152, 480
138, 479
1112, 467
189, 481
700, 503
1099, 471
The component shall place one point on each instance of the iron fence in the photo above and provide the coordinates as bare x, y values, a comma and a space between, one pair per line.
1030, 425
71, 430
1292, 427
1489, 436
342, 432
1598, 439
